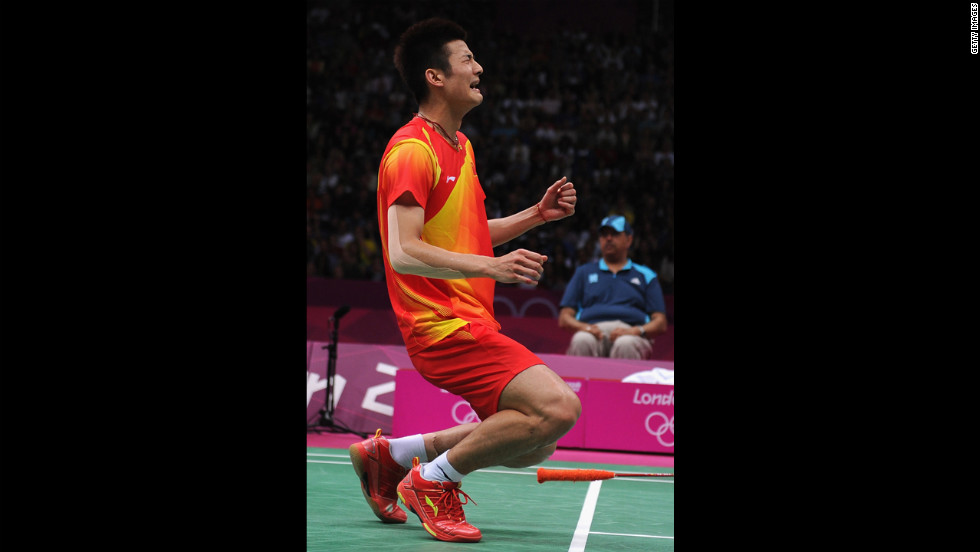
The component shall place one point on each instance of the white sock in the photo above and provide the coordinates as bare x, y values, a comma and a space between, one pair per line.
440, 470
404, 449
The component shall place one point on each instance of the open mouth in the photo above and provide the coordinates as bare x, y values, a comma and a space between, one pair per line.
475, 86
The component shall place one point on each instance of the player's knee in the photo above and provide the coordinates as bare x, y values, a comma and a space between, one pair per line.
562, 415
572, 409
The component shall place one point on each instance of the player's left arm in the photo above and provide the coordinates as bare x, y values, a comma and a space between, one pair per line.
558, 202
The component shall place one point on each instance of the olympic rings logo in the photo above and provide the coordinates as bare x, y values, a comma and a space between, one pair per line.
667, 425
468, 415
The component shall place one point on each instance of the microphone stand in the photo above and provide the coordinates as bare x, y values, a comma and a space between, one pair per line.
327, 422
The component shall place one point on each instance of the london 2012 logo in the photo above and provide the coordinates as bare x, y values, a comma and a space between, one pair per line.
658, 425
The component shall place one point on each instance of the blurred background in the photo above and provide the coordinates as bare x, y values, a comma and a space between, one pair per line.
581, 89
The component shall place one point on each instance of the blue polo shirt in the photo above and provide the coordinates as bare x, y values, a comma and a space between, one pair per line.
598, 295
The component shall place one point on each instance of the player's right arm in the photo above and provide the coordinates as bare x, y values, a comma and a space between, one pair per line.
408, 254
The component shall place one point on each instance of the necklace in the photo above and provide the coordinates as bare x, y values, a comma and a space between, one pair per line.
452, 139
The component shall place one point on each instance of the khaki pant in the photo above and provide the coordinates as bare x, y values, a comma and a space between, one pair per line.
626, 346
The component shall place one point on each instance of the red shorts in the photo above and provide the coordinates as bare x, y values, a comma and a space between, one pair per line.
475, 363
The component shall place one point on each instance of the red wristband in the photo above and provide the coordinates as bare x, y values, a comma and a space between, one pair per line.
540, 214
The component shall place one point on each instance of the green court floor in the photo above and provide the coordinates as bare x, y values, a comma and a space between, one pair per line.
512, 510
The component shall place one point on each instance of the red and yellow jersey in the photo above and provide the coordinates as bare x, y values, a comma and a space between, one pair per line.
444, 182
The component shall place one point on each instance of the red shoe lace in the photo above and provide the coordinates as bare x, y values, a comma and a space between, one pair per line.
453, 505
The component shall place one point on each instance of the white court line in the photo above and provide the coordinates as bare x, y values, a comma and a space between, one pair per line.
585, 519
629, 535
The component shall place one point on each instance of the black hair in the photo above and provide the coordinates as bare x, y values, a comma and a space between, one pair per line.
421, 46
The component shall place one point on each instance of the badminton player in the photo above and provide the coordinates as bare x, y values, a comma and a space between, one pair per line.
441, 270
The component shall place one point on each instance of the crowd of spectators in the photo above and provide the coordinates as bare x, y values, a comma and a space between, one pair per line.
591, 104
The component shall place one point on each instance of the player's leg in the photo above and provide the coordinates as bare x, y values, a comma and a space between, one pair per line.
525, 408
440, 441
535, 409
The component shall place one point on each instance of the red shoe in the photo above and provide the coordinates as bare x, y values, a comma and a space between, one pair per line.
379, 475
437, 505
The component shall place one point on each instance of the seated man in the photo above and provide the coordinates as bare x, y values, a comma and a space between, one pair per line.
613, 305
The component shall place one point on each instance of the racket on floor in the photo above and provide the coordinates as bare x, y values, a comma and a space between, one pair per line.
549, 474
